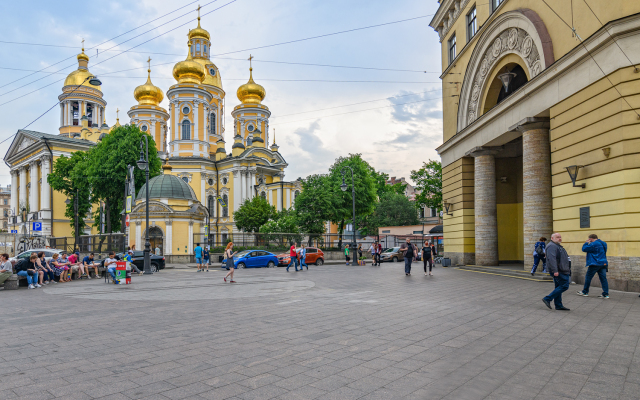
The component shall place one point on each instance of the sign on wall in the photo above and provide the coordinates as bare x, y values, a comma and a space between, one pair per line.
585, 218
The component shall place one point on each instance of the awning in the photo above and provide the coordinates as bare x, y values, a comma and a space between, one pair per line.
436, 229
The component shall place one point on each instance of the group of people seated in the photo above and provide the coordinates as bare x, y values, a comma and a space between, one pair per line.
38, 271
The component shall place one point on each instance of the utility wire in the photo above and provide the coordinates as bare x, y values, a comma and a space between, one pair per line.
89, 48
357, 111
593, 58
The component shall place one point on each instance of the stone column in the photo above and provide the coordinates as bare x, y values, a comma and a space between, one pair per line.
190, 249
138, 242
536, 183
243, 185
45, 192
35, 188
237, 191
22, 199
196, 125
168, 245
14, 192
486, 215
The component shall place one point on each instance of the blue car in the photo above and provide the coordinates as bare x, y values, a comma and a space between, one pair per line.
253, 259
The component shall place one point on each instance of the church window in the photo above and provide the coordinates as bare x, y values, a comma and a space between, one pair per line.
263, 195
185, 179
212, 124
193, 50
225, 209
212, 71
210, 182
198, 47
144, 128
210, 204
296, 193
251, 128
185, 110
205, 49
224, 181
186, 130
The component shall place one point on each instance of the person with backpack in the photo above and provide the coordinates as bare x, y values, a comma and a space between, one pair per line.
596, 250
539, 255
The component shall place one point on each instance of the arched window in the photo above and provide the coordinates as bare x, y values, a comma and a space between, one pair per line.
225, 209
210, 205
212, 124
186, 130
198, 47
193, 50
295, 194
263, 195
205, 49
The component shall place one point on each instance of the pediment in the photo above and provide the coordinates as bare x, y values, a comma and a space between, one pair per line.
21, 142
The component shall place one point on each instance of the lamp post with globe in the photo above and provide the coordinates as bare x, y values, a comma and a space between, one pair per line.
143, 164
344, 188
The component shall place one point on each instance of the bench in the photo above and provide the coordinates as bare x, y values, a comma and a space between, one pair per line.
12, 282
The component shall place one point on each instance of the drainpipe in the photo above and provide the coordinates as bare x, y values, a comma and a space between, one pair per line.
50, 188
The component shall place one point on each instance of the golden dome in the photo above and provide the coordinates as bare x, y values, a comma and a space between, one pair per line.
198, 32
189, 71
79, 76
209, 79
251, 92
148, 94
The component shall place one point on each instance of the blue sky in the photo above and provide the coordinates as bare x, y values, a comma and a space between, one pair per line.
394, 137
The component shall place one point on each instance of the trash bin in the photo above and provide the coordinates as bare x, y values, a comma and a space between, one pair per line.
446, 262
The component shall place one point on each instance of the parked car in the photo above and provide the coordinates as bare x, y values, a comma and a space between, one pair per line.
314, 256
393, 254
48, 254
157, 262
253, 259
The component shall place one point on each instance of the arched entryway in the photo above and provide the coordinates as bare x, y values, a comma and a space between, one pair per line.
156, 238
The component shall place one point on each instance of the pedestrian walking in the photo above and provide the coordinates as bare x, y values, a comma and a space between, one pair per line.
359, 251
205, 258
410, 252
373, 249
426, 257
434, 251
596, 250
559, 266
229, 253
303, 257
539, 254
346, 253
198, 253
379, 253
294, 257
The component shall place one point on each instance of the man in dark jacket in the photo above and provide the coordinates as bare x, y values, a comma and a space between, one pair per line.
559, 266
597, 263
410, 252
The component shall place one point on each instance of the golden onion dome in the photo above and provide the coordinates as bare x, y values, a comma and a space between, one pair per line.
189, 71
148, 94
199, 32
251, 92
81, 75
212, 74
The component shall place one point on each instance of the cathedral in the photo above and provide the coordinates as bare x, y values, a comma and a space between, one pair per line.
203, 182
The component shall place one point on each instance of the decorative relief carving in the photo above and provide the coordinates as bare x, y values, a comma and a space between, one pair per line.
512, 40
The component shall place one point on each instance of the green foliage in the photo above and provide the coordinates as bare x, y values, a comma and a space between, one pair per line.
395, 210
69, 176
107, 169
314, 204
365, 188
282, 222
253, 214
428, 180
382, 188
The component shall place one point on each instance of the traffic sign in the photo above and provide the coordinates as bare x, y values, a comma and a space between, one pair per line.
221, 201
37, 227
14, 231
126, 221
129, 200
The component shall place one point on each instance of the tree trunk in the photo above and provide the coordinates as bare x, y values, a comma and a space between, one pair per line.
340, 231
108, 215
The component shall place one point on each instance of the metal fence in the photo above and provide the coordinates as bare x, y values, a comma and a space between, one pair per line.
91, 243
282, 241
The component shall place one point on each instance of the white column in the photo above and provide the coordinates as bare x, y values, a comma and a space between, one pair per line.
23, 188
287, 201
243, 185
139, 235
45, 192
203, 194
190, 249
279, 199
250, 184
69, 113
61, 114
14, 191
168, 245
176, 123
35, 189
195, 121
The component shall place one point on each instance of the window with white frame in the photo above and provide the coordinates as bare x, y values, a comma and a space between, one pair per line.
212, 123
495, 4
186, 130
472, 23
452, 48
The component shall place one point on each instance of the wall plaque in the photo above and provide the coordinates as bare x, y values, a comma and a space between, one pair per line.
585, 218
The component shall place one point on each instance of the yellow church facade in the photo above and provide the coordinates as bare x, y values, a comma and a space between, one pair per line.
190, 139
541, 119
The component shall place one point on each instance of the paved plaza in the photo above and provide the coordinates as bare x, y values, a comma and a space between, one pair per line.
333, 332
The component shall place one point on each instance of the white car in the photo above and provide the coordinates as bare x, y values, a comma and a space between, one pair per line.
48, 254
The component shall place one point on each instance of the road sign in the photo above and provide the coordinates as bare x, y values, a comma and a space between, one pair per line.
126, 221
128, 209
222, 203
14, 231
37, 227
206, 231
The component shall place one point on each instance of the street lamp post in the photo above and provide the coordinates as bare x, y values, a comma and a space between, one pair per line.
143, 164
344, 188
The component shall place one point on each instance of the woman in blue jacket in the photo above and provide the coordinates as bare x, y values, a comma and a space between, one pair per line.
597, 263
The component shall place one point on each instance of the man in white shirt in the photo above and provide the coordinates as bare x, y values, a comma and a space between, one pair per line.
6, 269
110, 265
373, 249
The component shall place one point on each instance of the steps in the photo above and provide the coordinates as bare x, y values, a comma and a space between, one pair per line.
508, 272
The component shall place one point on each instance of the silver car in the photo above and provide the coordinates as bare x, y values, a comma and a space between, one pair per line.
48, 254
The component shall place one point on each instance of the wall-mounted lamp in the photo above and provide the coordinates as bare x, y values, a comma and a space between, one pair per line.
573, 174
447, 207
506, 80
503, 179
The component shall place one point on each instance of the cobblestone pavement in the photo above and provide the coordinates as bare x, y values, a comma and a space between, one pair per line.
333, 332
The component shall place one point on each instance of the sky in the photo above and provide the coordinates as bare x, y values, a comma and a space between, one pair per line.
393, 118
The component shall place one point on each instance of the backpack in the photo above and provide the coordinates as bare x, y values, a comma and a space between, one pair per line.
539, 251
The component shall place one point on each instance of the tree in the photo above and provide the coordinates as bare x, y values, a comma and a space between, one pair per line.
314, 204
428, 180
365, 188
69, 177
107, 169
252, 214
395, 210
382, 187
282, 228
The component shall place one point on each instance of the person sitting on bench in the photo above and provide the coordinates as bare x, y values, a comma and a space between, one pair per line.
87, 262
110, 265
6, 270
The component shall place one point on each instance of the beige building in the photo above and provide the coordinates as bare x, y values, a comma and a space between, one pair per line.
5, 207
541, 127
